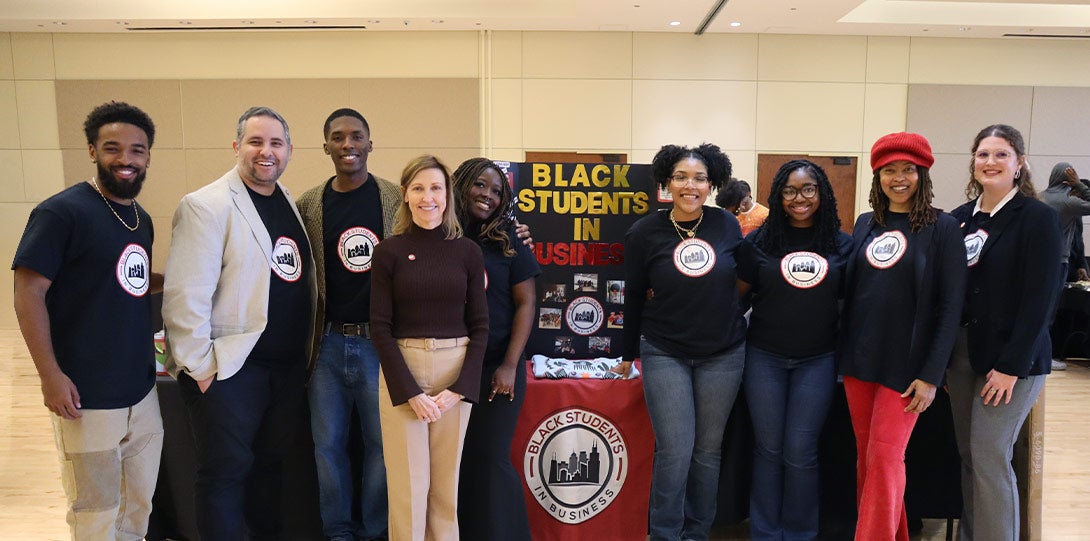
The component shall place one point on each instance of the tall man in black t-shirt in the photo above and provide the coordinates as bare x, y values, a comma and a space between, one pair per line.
238, 309
83, 284
346, 217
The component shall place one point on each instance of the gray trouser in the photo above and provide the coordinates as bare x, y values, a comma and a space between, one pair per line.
985, 437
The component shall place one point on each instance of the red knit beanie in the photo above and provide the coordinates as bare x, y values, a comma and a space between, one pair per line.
901, 146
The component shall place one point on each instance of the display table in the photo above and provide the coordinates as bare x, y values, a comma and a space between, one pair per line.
562, 419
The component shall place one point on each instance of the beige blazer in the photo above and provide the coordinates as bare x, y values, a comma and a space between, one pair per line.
216, 293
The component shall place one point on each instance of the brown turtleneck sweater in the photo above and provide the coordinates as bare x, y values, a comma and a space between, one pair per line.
424, 286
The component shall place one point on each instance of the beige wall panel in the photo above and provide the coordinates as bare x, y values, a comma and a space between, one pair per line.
303, 54
202, 166
161, 100
585, 55
308, 168
949, 175
165, 184
9, 115
76, 165
809, 117
784, 57
160, 248
1061, 122
423, 113
643, 155
11, 176
13, 217
692, 112
32, 56
43, 173
577, 114
508, 154
392, 161
37, 114
506, 113
887, 59
506, 54
744, 165
1000, 62
884, 111
951, 115
7, 69
662, 55
210, 108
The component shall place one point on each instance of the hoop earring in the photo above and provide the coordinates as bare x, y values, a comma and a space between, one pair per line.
1017, 174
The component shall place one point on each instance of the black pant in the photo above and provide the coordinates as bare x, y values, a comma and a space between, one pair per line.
491, 506
243, 428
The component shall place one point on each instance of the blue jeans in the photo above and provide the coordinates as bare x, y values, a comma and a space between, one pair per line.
788, 400
689, 401
346, 375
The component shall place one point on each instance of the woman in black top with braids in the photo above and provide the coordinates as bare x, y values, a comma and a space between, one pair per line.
684, 321
795, 265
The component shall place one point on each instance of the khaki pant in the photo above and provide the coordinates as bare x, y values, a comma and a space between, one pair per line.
109, 465
423, 459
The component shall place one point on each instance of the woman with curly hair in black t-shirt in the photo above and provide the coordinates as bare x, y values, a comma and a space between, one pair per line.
685, 323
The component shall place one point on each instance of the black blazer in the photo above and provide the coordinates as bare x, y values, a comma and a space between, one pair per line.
1012, 290
940, 291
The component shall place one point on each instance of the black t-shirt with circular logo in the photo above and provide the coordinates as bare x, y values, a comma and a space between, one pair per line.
98, 302
795, 297
351, 228
285, 336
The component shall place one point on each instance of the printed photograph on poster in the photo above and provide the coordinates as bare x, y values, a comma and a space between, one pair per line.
564, 345
586, 282
615, 291
664, 195
615, 320
599, 345
555, 293
549, 318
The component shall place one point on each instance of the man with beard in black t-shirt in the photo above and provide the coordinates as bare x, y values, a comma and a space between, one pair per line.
238, 309
83, 285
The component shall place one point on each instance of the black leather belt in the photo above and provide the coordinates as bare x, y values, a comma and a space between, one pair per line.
350, 329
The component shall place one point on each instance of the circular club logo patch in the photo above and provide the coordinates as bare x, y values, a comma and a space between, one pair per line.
575, 464
356, 247
887, 249
694, 257
134, 270
974, 243
584, 315
804, 269
286, 259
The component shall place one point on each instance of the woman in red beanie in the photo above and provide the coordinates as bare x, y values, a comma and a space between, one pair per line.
905, 290
1001, 357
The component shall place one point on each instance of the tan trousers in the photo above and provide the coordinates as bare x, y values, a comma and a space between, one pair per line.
109, 464
423, 459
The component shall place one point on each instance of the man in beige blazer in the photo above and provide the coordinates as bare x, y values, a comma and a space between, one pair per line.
238, 307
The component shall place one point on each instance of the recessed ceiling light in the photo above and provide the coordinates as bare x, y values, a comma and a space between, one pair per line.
675, 23
735, 24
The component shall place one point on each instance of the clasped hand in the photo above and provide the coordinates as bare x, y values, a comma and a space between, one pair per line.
431, 408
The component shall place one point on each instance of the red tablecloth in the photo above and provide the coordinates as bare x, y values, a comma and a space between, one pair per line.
584, 449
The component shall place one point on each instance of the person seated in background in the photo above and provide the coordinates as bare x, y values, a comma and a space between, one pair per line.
737, 198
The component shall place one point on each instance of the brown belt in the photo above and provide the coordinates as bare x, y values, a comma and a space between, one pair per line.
432, 343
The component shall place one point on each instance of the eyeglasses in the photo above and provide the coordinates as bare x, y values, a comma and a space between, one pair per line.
681, 180
808, 191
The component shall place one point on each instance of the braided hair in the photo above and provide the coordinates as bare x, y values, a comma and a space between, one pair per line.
495, 227
771, 237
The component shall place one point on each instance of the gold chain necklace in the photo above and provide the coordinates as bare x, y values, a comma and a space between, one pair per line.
689, 232
135, 209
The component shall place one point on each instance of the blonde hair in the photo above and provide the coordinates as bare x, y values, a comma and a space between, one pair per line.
403, 220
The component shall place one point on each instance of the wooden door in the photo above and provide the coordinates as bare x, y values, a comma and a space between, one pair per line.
841, 171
